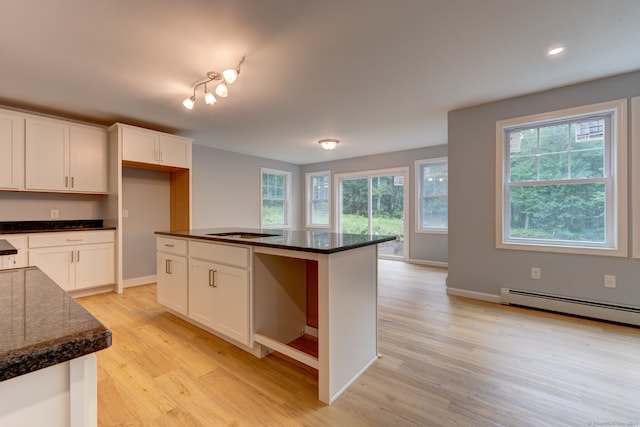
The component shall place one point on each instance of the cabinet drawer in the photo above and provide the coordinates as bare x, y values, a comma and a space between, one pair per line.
171, 246
43, 240
223, 254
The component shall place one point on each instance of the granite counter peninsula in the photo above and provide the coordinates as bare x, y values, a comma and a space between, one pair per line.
47, 341
307, 294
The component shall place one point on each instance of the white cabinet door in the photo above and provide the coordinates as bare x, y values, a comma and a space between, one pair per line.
57, 263
174, 151
219, 298
11, 151
139, 145
94, 265
232, 310
155, 148
202, 294
88, 160
47, 155
172, 282
64, 157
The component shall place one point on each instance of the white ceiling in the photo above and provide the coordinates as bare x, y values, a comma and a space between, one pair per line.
380, 75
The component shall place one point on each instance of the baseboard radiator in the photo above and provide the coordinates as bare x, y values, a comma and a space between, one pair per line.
597, 310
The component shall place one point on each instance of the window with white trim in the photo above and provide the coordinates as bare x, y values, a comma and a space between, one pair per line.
432, 176
276, 198
318, 185
561, 180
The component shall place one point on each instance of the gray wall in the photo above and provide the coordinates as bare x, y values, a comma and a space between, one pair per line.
27, 206
226, 188
474, 262
145, 194
422, 247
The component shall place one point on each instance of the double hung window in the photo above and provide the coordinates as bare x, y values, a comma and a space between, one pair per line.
433, 194
318, 186
561, 180
276, 198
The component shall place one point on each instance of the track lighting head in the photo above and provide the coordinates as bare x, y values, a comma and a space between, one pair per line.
226, 78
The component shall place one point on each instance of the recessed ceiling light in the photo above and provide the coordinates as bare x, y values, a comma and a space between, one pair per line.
555, 51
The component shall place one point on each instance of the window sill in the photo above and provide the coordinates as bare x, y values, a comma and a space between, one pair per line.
577, 250
434, 231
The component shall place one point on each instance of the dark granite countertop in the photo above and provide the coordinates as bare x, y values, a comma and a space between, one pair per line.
15, 227
41, 325
7, 248
323, 242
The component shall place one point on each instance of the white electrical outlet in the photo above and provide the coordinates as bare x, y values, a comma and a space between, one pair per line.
54, 213
125, 213
535, 273
609, 281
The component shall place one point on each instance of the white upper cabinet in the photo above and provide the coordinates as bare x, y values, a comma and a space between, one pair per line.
88, 159
11, 150
61, 156
155, 148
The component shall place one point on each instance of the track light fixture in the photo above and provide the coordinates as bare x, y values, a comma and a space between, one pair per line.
226, 78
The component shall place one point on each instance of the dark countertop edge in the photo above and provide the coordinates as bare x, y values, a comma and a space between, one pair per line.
24, 362
56, 230
7, 248
254, 242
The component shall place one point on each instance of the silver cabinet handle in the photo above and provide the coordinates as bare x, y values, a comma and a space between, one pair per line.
72, 256
167, 267
74, 240
212, 278
168, 245
71, 182
78, 256
66, 181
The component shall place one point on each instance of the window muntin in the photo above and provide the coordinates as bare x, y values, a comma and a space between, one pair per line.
562, 181
318, 199
433, 189
275, 198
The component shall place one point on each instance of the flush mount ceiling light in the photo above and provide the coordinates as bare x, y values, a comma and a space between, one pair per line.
329, 143
225, 78
555, 51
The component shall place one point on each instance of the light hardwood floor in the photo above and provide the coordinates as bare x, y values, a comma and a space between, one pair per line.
445, 361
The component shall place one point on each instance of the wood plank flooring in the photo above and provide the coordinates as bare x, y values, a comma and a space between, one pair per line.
445, 361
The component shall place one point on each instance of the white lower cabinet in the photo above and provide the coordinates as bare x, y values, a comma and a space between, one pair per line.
172, 282
74, 260
219, 298
209, 283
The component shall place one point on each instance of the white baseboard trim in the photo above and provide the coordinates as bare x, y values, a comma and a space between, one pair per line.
138, 281
429, 263
475, 295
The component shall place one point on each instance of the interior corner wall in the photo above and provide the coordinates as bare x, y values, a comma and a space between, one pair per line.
474, 262
226, 188
423, 247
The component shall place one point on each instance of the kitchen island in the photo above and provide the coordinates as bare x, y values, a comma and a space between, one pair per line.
47, 341
307, 294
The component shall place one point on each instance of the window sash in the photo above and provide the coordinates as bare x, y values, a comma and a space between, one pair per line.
318, 199
612, 176
275, 198
433, 185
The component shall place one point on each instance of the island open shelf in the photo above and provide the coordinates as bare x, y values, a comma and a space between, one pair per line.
343, 287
